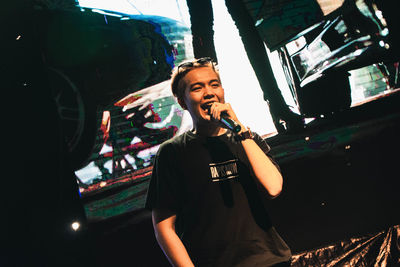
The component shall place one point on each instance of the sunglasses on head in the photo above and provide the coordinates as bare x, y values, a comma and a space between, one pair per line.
191, 64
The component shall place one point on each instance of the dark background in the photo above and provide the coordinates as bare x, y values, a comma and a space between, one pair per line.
341, 175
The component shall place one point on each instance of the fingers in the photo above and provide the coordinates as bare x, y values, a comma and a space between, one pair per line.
217, 109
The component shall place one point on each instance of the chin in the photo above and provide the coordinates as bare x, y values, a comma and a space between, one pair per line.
203, 120
203, 116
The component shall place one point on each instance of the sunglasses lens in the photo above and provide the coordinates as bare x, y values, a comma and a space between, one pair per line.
200, 61
204, 60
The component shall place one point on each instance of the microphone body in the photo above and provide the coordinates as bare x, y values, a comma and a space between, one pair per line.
231, 124
228, 123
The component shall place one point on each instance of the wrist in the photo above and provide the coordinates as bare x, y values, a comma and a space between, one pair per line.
245, 133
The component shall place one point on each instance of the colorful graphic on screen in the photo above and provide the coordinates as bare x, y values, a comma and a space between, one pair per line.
130, 134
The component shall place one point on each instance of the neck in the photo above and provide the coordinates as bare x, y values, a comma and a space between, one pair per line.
210, 129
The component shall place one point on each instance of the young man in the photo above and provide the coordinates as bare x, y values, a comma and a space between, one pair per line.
208, 184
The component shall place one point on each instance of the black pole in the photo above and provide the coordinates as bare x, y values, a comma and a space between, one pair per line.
201, 18
259, 60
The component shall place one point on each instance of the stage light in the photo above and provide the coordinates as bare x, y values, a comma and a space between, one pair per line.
308, 120
385, 32
347, 147
75, 226
258, 22
378, 13
307, 138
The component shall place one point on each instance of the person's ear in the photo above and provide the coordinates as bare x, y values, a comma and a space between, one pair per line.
182, 103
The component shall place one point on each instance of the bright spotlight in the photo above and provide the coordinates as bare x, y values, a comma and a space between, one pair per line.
75, 226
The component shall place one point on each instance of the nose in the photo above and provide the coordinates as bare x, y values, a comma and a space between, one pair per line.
208, 92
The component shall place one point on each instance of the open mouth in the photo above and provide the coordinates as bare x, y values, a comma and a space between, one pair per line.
206, 106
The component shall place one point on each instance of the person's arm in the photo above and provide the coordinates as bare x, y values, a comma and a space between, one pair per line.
170, 243
266, 173
263, 168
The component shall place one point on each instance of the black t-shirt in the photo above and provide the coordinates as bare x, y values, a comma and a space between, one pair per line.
221, 218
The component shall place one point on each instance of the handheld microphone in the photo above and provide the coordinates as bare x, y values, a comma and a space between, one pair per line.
229, 123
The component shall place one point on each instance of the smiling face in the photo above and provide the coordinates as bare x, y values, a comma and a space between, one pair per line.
202, 86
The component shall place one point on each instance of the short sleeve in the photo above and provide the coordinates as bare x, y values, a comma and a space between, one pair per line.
164, 191
265, 147
261, 143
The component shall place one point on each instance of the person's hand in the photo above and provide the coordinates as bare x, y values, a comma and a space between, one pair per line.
216, 109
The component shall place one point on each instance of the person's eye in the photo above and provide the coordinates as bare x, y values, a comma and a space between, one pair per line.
196, 88
215, 85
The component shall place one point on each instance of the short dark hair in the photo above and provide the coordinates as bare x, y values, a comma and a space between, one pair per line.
182, 69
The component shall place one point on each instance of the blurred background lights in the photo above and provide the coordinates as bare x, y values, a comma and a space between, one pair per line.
75, 226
